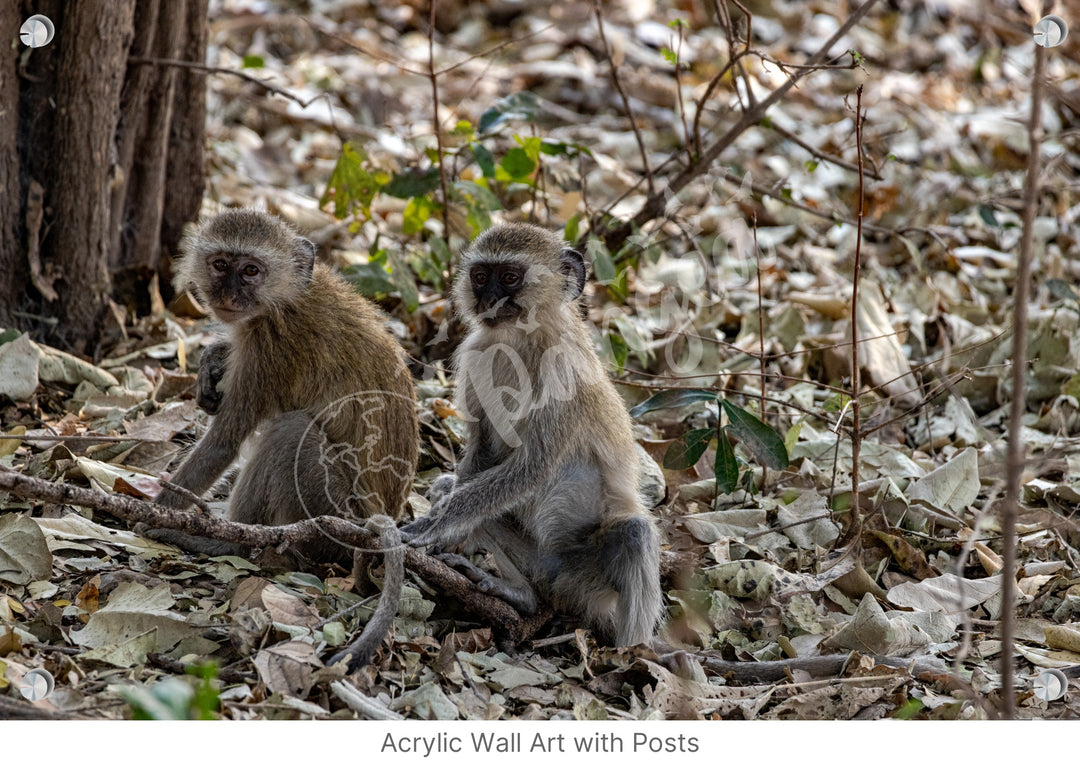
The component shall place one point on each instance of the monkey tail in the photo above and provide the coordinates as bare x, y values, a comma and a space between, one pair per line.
630, 552
363, 648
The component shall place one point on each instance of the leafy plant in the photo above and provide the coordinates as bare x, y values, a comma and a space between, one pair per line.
756, 438
176, 699
482, 174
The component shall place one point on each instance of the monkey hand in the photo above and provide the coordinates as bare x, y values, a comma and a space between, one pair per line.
211, 370
437, 527
440, 488
421, 532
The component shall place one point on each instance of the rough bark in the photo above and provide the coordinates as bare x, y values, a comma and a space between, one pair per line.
100, 159
92, 42
12, 267
184, 177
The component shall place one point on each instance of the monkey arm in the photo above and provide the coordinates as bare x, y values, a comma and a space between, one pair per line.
211, 370
212, 455
489, 494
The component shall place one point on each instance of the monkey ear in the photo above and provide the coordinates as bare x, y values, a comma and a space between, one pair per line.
574, 267
305, 255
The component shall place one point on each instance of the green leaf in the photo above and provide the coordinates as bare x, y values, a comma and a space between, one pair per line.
811, 165
370, 279
519, 106
425, 263
531, 146
352, 184
618, 348
726, 468
484, 159
570, 233
404, 282
416, 213
688, 449
633, 339
791, 438
835, 402
603, 264
440, 252
1058, 288
764, 443
412, 182
986, 213
482, 195
252, 61
480, 202
672, 399
517, 164
669, 56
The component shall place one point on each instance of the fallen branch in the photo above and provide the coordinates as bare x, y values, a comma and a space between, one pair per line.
131, 510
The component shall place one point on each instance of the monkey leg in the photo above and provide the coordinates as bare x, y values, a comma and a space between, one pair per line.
516, 557
630, 557
605, 568
211, 370
291, 476
287, 478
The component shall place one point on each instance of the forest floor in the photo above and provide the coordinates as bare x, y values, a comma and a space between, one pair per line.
743, 289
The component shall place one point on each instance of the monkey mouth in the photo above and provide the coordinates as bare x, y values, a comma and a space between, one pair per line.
227, 314
502, 312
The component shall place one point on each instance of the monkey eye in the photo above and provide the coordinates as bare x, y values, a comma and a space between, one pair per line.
220, 265
250, 270
511, 278
479, 277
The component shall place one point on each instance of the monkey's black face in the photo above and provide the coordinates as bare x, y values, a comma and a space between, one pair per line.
495, 288
234, 283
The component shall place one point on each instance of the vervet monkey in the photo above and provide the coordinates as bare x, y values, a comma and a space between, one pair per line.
548, 482
309, 363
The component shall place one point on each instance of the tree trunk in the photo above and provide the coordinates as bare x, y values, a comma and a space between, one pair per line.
185, 176
96, 140
13, 263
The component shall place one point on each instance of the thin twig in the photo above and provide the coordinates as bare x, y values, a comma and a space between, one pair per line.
625, 100
225, 71
820, 154
438, 128
679, 97
1014, 454
856, 407
654, 205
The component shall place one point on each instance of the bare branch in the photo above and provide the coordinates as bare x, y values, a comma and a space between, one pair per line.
625, 100
1014, 455
131, 510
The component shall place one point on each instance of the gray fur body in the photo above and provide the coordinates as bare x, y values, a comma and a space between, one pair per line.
548, 482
